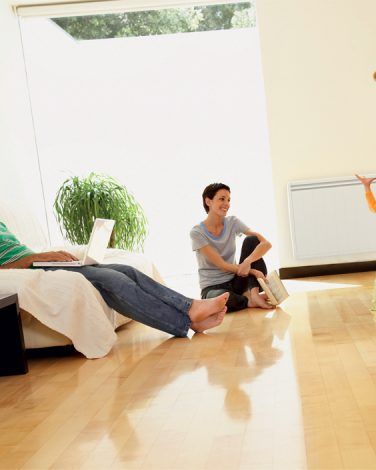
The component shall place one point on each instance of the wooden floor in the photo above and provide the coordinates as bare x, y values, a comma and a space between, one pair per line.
294, 388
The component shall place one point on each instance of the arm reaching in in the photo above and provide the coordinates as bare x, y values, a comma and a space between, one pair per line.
366, 182
27, 261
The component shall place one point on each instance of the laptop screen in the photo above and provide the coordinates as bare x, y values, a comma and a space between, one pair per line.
99, 239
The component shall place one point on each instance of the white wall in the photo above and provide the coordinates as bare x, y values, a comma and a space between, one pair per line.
318, 60
166, 115
19, 176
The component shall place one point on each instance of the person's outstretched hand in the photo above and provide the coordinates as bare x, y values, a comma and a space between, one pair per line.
366, 181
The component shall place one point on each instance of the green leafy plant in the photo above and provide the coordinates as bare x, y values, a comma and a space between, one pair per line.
79, 201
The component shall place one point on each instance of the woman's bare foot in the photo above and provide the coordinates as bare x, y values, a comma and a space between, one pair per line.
209, 322
257, 300
201, 309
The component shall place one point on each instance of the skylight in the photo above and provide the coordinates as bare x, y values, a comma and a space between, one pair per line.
157, 22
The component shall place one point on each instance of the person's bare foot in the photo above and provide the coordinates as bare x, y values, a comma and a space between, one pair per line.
257, 300
209, 322
201, 309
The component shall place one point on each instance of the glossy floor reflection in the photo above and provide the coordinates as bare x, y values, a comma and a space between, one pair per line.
292, 388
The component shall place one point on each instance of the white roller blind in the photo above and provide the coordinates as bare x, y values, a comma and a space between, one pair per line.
101, 7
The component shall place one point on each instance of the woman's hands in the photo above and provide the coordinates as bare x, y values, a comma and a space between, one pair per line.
244, 270
258, 274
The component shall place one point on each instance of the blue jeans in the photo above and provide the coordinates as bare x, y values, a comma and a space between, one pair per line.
137, 296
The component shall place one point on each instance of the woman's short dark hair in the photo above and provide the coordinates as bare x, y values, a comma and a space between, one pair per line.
210, 191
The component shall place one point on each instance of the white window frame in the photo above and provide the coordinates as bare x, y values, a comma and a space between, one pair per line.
54, 10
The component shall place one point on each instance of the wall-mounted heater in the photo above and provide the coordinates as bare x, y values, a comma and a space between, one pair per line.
330, 217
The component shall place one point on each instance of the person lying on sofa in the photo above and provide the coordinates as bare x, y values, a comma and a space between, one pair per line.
126, 290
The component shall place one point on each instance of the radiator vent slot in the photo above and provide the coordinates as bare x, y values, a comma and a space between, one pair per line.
330, 218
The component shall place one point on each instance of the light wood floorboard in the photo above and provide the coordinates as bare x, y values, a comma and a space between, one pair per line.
293, 388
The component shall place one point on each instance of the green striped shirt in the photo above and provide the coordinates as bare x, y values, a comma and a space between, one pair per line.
10, 248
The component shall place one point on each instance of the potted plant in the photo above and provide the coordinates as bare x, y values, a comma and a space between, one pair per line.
79, 201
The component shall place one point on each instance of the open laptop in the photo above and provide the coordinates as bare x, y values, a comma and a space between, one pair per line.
95, 250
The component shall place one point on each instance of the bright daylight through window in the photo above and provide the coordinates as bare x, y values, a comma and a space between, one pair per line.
163, 114
155, 22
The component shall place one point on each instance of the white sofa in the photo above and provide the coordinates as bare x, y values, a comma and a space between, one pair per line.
60, 308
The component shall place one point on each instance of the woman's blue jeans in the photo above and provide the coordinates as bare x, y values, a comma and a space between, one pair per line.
137, 296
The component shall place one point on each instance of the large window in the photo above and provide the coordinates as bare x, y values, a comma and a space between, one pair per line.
164, 114
165, 21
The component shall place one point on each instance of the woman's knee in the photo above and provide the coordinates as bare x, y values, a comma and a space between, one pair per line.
250, 242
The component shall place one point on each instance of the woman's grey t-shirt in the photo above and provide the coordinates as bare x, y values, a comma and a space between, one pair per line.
209, 274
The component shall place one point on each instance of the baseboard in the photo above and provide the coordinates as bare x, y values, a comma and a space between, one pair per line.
326, 269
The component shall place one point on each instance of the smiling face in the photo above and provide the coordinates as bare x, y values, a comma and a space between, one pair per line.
220, 204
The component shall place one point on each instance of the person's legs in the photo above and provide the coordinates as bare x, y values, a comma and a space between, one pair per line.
249, 286
248, 247
124, 295
196, 309
149, 285
131, 298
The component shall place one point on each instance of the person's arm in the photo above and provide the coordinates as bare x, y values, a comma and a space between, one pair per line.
28, 260
366, 182
371, 201
215, 258
260, 250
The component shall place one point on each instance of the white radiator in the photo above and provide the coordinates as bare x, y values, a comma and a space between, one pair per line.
330, 217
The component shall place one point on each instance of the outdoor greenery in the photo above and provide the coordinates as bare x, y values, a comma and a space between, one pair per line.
80, 201
165, 21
